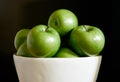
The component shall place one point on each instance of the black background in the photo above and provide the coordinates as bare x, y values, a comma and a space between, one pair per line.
18, 14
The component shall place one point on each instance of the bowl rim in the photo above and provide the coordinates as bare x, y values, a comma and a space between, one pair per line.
87, 57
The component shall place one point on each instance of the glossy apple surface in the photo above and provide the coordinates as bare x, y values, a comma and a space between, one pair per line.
63, 21
66, 53
20, 37
87, 40
43, 41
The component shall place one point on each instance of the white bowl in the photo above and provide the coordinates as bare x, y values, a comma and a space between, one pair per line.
83, 69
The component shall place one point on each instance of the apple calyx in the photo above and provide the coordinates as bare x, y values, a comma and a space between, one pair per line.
56, 23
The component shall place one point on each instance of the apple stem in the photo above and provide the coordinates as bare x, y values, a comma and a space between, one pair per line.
47, 28
85, 27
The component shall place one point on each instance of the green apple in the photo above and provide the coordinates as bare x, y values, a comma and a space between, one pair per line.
87, 40
63, 20
66, 53
20, 37
43, 41
23, 51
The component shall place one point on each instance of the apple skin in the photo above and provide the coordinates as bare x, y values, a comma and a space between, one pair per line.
23, 51
20, 37
87, 40
43, 41
66, 53
63, 21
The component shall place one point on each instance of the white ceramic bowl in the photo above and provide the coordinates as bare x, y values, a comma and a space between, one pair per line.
83, 69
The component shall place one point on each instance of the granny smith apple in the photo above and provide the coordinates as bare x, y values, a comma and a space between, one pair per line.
43, 41
63, 20
20, 37
23, 51
87, 40
66, 53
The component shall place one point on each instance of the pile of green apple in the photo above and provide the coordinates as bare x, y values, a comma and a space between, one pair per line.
61, 38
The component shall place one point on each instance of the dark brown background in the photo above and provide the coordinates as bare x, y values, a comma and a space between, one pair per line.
18, 14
